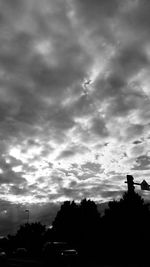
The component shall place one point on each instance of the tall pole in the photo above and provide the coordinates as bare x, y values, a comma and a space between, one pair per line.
130, 183
27, 215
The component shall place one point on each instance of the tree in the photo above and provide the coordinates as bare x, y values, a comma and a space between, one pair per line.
66, 222
78, 224
89, 227
120, 234
124, 224
30, 236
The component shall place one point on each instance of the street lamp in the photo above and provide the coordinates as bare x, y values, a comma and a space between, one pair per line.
27, 216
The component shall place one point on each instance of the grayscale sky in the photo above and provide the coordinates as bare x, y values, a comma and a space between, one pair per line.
74, 100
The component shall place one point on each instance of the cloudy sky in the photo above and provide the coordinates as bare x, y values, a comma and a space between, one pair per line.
74, 99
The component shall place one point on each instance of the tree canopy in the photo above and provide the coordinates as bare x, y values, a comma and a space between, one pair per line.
121, 233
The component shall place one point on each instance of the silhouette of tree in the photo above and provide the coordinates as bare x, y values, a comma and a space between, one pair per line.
120, 235
30, 236
78, 225
89, 227
124, 224
66, 222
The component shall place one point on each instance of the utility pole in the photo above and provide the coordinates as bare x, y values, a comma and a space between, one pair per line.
130, 184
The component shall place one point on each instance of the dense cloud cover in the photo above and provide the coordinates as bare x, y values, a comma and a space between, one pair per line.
74, 98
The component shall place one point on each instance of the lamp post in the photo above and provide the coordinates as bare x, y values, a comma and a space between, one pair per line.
27, 215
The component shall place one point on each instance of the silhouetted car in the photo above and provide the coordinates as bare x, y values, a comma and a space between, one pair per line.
52, 251
69, 253
69, 256
20, 252
54, 248
3, 255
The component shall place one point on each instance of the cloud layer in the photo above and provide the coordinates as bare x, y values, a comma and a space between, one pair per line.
74, 98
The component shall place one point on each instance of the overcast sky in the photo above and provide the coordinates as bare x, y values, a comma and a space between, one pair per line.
74, 99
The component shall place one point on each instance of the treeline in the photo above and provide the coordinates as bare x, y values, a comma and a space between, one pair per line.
121, 234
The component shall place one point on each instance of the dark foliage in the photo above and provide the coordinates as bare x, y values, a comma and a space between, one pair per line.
29, 236
126, 224
120, 235
76, 223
